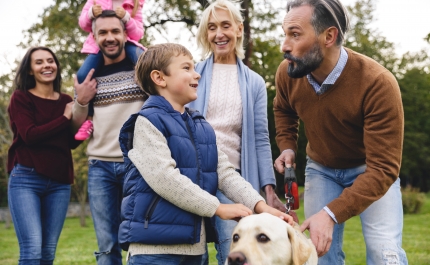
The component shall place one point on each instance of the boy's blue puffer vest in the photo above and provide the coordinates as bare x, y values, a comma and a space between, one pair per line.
146, 217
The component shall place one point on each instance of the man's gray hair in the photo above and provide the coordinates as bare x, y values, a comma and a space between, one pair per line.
106, 13
326, 13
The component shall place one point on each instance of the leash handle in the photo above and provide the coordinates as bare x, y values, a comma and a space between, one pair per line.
291, 190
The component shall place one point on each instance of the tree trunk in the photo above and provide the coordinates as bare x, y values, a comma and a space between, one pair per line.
83, 203
247, 32
82, 213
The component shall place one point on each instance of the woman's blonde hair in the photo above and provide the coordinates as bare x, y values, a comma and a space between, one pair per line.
202, 35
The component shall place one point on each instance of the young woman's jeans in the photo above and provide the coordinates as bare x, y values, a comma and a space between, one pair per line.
382, 221
105, 181
38, 206
164, 259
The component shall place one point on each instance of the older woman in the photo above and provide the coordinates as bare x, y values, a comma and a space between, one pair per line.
233, 99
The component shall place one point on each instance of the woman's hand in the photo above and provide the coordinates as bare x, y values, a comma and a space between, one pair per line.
68, 110
262, 207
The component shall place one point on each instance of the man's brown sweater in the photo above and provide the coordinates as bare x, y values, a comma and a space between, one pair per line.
358, 120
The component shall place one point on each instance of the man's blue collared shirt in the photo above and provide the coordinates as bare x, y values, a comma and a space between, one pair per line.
332, 77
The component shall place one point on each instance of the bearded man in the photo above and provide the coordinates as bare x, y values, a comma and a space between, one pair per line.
352, 110
116, 96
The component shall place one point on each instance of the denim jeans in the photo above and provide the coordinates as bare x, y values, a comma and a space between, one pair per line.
105, 181
164, 259
382, 221
38, 206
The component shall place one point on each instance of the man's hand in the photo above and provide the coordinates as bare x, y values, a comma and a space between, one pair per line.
232, 211
86, 90
320, 226
273, 201
285, 159
97, 9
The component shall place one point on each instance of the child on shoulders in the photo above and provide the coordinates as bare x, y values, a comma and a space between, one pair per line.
130, 13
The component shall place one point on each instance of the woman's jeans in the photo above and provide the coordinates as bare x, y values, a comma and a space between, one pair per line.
38, 206
164, 259
382, 221
105, 182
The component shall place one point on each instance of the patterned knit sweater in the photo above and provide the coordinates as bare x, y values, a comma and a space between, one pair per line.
118, 96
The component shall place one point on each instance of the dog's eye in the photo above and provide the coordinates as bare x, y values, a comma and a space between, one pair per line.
262, 238
236, 237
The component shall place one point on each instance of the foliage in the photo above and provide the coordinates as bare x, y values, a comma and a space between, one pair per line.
80, 165
5, 135
58, 29
413, 200
416, 148
177, 20
412, 72
366, 40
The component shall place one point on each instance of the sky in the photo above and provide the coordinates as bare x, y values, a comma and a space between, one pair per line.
405, 23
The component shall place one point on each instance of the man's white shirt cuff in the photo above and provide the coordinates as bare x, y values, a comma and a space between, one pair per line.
330, 213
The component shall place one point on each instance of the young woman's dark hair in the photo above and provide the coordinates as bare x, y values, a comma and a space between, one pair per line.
24, 80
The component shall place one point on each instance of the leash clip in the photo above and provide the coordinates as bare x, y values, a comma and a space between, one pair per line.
291, 190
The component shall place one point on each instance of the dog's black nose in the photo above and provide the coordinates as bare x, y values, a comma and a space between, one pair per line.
236, 258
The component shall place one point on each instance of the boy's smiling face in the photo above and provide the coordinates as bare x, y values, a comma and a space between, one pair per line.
181, 83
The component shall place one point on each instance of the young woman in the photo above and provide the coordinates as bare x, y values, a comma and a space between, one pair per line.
39, 159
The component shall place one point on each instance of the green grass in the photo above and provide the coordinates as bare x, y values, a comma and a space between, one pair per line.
77, 244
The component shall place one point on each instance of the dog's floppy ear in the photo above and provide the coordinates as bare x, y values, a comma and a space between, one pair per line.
300, 246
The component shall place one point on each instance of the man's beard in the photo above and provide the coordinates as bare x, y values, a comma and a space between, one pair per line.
306, 64
113, 55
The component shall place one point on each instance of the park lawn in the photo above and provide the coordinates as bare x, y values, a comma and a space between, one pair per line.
77, 244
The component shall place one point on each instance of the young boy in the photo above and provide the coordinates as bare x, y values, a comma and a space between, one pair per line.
175, 168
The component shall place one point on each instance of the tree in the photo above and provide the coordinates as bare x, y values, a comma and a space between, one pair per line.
80, 166
412, 72
366, 40
416, 152
177, 21
5, 140
58, 29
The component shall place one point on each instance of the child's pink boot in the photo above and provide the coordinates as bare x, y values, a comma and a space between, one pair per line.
85, 131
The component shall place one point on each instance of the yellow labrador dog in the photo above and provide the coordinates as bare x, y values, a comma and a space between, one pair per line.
264, 239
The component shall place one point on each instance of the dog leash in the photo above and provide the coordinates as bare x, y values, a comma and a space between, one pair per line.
291, 190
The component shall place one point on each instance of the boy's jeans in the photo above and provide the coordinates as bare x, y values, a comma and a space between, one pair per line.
105, 181
382, 221
225, 230
38, 206
165, 259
